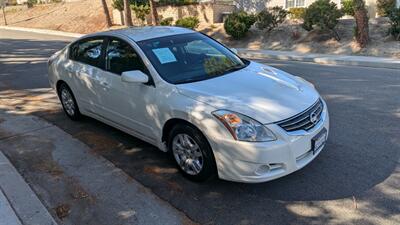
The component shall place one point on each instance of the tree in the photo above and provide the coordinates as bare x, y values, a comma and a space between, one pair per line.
361, 29
106, 13
127, 13
154, 14
3, 6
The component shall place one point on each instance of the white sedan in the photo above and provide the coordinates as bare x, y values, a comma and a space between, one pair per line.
218, 114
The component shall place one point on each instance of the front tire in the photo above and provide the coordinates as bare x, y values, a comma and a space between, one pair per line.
192, 153
68, 102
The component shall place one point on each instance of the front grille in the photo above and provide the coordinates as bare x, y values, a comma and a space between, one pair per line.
305, 120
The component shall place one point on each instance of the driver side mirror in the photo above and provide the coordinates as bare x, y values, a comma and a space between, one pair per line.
134, 76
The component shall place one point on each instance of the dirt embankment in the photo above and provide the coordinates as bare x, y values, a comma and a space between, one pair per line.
80, 17
290, 36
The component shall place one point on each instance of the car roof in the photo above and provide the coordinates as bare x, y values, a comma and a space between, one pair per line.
144, 33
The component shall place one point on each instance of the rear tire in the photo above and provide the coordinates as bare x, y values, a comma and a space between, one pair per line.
68, 102
192, 153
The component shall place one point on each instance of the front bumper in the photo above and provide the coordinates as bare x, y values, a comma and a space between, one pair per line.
254, 162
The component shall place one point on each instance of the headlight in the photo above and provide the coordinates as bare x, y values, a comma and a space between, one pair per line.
244, 128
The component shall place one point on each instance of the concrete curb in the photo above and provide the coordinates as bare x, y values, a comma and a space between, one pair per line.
362, 61
24, 202
43, 31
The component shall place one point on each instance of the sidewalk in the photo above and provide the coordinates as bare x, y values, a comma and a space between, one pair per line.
64, 171
18, 203
363, 61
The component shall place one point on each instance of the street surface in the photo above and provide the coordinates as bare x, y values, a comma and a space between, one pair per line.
355, 180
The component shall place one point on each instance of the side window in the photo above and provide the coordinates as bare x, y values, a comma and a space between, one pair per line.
88, 52
121, 57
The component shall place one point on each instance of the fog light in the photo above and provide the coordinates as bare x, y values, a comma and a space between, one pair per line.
263, 169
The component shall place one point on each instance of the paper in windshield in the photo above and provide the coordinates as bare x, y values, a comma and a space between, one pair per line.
164, 55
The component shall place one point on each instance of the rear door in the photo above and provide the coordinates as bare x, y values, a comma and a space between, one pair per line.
86, 69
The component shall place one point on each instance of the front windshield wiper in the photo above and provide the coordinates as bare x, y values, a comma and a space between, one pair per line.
189, 80
233, 69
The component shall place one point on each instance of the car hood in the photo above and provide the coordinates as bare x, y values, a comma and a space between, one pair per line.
262, 92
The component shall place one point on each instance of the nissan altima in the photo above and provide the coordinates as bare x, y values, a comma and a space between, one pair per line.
185, 93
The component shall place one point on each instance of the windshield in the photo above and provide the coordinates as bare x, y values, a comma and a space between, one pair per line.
188, 58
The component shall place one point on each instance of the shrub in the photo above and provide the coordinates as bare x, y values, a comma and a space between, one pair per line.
166, 21
30, 3
385, 6
297, 13
119, 4
323, 14
348, 7
270, 18
361, 29
141, 11
188, 22
238, 24
394, 17
176, 2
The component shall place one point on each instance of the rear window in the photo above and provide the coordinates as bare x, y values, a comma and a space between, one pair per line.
88, 52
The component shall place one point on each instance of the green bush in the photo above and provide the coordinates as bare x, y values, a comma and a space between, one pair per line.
176, 2
238, 24
385, 6
323, 14
270, 18
30, 3
141, 11
119, 4
348, 7
394, 17
297, 13
188, 22
167, 21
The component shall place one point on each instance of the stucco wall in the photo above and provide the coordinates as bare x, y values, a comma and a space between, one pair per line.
206, 13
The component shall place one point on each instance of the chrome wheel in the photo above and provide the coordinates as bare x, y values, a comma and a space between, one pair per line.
187, 154
68, 102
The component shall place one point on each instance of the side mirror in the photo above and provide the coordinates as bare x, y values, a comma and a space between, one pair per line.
134, 76
234, 50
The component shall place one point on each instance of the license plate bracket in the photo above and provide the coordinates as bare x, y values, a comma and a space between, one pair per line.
318, 140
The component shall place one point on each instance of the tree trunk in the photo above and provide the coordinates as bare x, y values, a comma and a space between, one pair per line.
362, 35
127, 14
362, 29
154, 14
4, 15
106, 13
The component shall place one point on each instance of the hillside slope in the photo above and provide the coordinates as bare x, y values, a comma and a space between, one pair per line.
84, 16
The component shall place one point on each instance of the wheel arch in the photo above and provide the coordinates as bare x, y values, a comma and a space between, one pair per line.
169, 124
59, 83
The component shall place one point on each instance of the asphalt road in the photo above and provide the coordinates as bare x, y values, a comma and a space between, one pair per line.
355, 180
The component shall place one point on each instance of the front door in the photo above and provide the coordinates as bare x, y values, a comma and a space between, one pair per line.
129, 105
